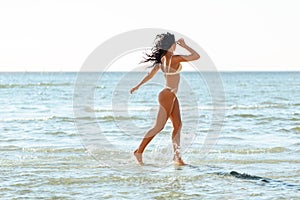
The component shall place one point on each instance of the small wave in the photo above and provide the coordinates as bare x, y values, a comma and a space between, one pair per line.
27, 119
296, 129
247, 115
211, 108
293, 129
60, 133
46, 118
268, 119
296, 114
256, 151
244, 107
11, 148
65, 119
232, 138
100, 86
51, 150
294, 119
120, 109
283, 130
34, 85
118, 118
244, 115
256, 106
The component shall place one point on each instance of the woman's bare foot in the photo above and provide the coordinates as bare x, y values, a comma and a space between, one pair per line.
138, 157
178, 161
177, 158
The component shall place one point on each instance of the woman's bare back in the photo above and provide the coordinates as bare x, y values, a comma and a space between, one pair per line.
171, 70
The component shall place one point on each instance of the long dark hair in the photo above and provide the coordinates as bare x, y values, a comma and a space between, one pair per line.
162, 43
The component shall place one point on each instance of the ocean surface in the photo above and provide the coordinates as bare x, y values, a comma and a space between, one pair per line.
59, 140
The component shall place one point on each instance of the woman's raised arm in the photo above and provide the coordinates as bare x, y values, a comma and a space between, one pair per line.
185, 58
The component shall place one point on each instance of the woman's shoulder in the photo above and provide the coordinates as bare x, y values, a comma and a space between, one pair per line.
177, 59
176, 56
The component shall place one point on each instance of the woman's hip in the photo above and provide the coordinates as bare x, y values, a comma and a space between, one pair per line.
166, 95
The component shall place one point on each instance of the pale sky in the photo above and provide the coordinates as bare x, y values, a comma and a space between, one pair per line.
58, 35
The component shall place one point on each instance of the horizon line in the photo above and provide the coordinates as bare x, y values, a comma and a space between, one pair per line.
138, 71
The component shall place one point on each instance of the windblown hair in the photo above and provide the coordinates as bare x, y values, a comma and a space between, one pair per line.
162, 43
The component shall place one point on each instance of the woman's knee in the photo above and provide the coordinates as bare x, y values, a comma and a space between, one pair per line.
157, 128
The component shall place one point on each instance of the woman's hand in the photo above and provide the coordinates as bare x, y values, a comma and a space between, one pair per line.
133, 89
181, 42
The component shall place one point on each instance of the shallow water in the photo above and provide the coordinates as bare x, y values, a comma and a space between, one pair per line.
43, 154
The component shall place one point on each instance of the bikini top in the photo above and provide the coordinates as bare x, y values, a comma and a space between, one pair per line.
169, 67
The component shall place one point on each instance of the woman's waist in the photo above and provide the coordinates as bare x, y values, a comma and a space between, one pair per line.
172, 89
171, 85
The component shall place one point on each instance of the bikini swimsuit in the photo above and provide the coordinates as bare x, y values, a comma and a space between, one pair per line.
168, 73
173, 73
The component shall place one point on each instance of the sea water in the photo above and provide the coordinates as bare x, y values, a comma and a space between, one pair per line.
45, 154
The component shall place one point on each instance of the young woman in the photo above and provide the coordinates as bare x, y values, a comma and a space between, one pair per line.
163, 58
